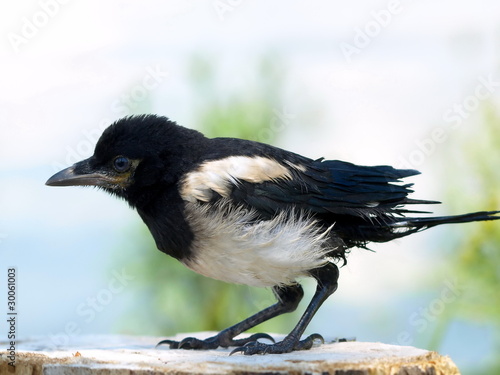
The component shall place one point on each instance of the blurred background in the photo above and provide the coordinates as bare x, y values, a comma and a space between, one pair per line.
406, 83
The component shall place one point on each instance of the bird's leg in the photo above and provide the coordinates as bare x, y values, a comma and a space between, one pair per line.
326, 277
288, 299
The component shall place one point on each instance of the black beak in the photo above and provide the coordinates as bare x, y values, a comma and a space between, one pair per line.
79, 174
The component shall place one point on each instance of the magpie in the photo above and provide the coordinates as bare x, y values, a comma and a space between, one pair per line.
249, 213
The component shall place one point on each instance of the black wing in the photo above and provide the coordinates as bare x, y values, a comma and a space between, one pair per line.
364, 203
332, 187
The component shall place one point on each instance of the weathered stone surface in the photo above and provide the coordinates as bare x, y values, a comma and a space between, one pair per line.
117, 355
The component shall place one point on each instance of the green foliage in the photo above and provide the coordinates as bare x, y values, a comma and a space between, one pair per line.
251, 112
473, 179
477, 252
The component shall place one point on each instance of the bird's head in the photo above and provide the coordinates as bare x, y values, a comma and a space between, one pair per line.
132, 154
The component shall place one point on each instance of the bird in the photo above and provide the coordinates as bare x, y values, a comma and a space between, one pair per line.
250, 213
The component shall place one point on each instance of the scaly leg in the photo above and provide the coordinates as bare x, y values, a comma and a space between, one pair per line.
326, 277
288, 299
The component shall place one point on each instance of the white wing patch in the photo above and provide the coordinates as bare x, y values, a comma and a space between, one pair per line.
235, 247
218, 175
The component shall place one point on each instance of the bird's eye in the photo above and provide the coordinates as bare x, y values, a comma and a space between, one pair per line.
121, 164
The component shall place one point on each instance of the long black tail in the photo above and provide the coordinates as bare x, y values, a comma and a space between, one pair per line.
409, 225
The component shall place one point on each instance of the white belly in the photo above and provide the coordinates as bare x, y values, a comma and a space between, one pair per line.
230, 245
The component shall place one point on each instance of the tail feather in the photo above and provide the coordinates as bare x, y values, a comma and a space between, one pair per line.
397, 227
414, 224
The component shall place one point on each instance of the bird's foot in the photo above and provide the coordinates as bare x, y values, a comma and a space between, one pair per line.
220, 340
286, 346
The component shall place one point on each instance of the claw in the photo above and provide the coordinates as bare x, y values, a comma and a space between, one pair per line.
251, 341
245, 348
213, 343
258, 336
285, 346
317, 336
186, 343
308, 342
173, 344
237, 350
